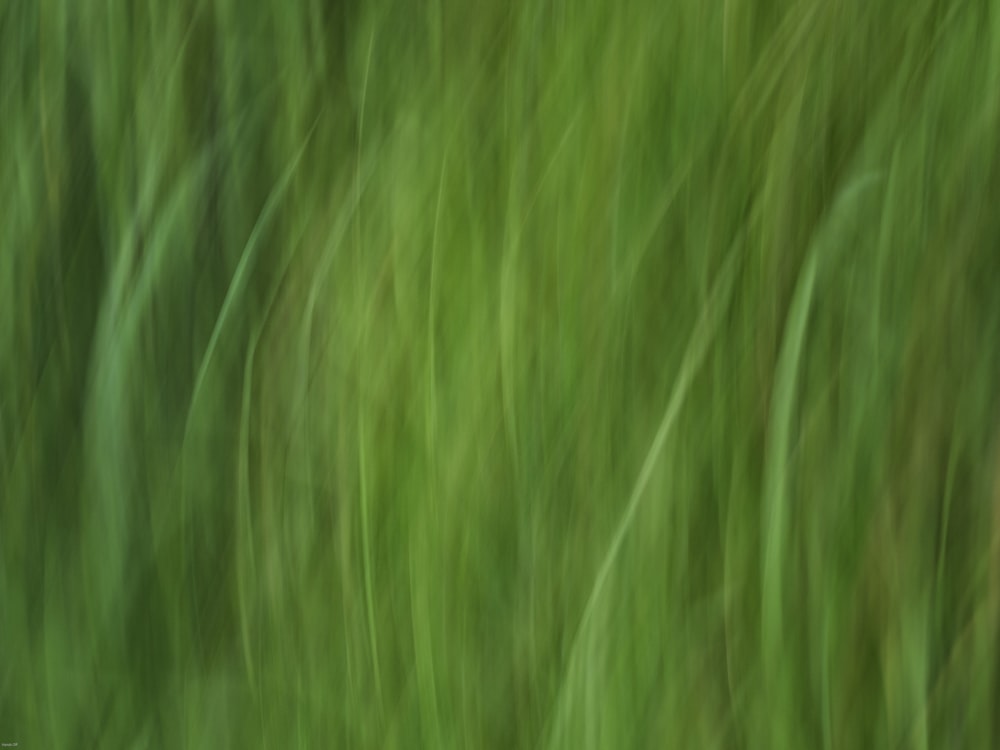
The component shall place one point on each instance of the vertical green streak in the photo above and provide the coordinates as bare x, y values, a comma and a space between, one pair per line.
775, 521
245, 535
363, 404
366, 550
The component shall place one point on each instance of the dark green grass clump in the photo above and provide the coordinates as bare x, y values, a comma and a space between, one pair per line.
435, 374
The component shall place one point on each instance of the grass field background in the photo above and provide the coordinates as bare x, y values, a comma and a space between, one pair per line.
565, 374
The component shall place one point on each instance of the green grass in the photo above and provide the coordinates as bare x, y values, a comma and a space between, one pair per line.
437, 374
